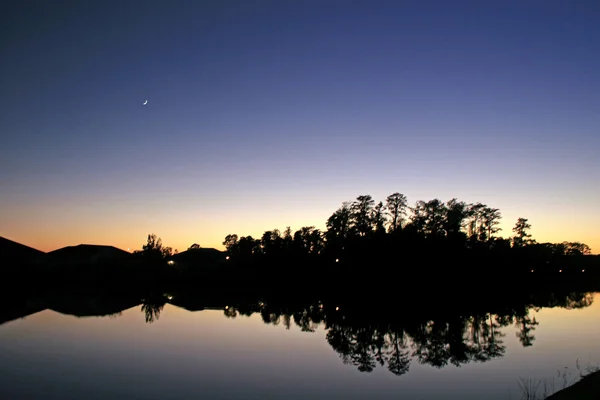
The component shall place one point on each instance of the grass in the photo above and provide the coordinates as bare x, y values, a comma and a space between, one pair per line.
540, 389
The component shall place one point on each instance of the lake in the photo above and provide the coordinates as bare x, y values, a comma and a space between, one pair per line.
163, 349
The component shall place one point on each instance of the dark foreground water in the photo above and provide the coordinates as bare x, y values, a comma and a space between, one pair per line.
168, 352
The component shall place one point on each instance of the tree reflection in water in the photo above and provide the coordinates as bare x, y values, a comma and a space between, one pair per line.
152, 305
380, 339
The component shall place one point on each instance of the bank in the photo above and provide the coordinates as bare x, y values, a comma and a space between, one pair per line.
588, 388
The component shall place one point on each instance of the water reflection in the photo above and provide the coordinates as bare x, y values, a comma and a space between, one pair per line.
375, 339
152, 305
394, 344
364, 336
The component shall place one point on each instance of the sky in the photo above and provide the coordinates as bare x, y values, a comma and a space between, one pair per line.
263, 114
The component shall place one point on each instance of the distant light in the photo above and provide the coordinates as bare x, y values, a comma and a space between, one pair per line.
337, 260
227, 307
170, 262
531, 270
583, 270
560, 270
337, 309
170, 297
321, 306
227, 258
128, 249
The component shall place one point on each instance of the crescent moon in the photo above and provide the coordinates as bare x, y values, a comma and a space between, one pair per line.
145, 102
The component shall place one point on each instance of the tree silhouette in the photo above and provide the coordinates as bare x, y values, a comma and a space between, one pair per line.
362, 214
430, 217
339, 226
490, 221
153, 252
230, 242
396, 205
475, 214
522, 236
457, 232
287, 239
575, 249
456, 214
308, 241
167, 252
271, 242
379, 219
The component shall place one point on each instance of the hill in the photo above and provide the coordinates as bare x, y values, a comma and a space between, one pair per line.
200, 257
85, 254
18, 254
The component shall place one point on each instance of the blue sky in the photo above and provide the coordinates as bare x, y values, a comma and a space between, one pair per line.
263, 114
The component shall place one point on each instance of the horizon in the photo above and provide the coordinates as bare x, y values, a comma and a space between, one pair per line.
264, 115
322, 228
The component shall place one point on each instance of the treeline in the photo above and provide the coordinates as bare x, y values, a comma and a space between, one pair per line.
431, 242
394, 225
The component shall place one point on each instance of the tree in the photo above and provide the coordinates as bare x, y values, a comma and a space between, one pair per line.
195, 246
230, 242
482, 222
287, 239
153, 250
246, 246
490, 221
396, 205
475, 215
522, 236
379, 218
308, 240
338, 225
271, 241
153, 243
167, 252
429, 217
362, 211
576, 249
456, 214
418, 219
265, 242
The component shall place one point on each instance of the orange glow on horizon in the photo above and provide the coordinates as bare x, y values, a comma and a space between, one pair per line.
181, 243
45, 230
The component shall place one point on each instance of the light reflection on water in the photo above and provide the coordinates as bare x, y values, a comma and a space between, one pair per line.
205, 354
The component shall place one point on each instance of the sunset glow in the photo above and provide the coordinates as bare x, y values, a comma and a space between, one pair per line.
248, 130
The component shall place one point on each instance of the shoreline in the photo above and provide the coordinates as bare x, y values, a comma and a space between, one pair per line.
587, 388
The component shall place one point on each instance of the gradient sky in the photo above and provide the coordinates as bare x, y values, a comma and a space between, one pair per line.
263, 114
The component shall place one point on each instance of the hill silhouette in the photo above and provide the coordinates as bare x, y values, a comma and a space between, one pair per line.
87, 254
17, 254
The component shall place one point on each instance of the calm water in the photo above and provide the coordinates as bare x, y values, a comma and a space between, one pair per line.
173, 353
